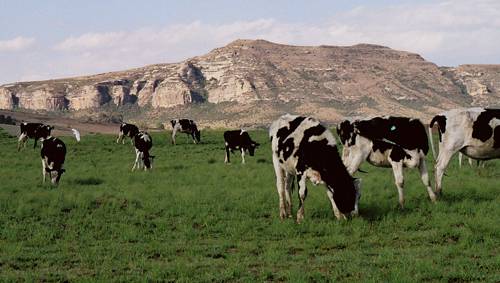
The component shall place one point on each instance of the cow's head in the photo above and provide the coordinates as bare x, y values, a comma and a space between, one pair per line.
55, 175
148, 161
173, 122
197, 135
253, 146
347, 200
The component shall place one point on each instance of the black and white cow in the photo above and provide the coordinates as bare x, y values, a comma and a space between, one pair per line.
129, 130
143, 144
475, 132
53, 154
239, 139
303, 147
34, 131
185, 126
395, 142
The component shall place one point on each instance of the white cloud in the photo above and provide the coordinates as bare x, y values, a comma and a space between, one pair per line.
16, 44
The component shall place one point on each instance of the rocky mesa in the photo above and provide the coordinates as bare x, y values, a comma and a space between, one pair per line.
257, 80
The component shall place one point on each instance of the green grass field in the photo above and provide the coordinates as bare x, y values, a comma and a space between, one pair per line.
193, 218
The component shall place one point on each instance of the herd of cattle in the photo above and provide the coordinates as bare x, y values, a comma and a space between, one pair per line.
303, 148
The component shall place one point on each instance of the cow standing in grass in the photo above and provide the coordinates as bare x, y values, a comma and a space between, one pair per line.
53, 154
143, 144
185, 126
303, 147
239, 139
395, 142
475, 132
34, 131
127, 130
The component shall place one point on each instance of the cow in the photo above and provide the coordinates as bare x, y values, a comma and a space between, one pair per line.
475, 132
303, 148
239, 139
387, 141
34, 131
185, 126
143, 144
53, 154
129, 130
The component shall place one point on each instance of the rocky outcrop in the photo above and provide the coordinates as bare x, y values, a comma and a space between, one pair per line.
352, 80
481, 82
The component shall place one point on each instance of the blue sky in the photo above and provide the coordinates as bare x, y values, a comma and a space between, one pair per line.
51, 39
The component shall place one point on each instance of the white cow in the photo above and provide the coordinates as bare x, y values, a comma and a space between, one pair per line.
475, 132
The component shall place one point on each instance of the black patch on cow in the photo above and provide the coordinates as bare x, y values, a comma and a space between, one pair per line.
404, 132
441, 122
345, 131
185, 123
397, 153
481, 129
496, 137
325, 159
287, 145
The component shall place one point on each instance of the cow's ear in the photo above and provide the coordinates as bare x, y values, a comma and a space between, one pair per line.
62, 171
51, 127
257, 144
152, 156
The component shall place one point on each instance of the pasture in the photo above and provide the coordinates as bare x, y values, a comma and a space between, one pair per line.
194, 218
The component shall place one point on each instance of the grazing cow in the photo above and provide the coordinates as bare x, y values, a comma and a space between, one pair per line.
475, 132
395, 142
185, 126
129, 130
239, 139
53, 154
303, 147
34, 131
143, 143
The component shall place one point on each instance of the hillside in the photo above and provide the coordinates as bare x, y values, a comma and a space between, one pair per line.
250, 82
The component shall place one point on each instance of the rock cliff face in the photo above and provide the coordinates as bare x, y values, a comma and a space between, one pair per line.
325, 80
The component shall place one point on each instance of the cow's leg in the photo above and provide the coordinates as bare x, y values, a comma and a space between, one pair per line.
242, 155
424, 175
194, 139
441, 164
460, 156
397, 169
336, 211
43, 169
21, 141
288, 190
120, 136
136, 163
174, 131
226, 157
280, 186
302, 197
